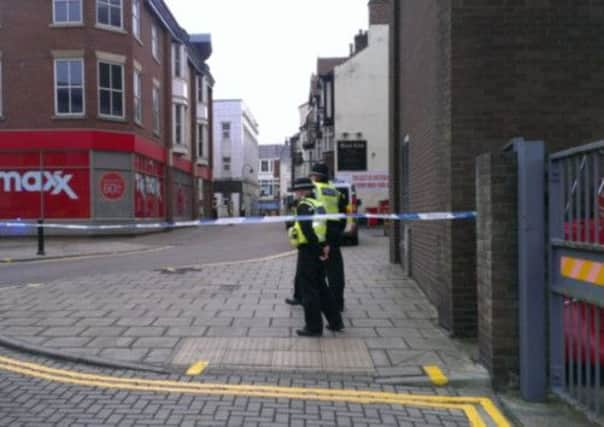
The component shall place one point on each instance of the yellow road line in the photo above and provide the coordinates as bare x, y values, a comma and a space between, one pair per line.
465, 404
437, 376
197, 368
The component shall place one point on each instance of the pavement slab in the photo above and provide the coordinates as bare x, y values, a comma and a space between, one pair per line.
151, 316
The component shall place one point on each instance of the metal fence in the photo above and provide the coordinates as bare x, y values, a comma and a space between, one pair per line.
576, 215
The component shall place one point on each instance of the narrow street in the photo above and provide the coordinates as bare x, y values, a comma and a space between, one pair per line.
181, 247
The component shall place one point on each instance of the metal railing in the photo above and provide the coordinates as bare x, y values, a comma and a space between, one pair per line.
577, 276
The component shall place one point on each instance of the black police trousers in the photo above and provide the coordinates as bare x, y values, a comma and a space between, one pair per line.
334, 267
335, 274
316, 296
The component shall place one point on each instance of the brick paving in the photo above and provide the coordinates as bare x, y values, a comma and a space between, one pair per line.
149, 316
31, 402
235, 317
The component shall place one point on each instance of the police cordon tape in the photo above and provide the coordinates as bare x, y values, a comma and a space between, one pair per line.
429, 216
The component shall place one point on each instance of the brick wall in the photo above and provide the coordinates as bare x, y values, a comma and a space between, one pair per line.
28, 72
537, 75
426, 120
497, 266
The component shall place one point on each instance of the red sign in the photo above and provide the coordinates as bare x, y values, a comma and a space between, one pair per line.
113, 186
44, 185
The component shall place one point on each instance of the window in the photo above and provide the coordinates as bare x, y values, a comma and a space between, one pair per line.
176, 52
226, 164
156, 109
67, 11
202, 137
155, 42
111, 90
226, 130
109, 13
136, 18
138, 97
266, 188
265, 166
69, 87
179, 127
200, 83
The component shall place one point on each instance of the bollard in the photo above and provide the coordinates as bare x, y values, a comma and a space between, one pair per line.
41, 238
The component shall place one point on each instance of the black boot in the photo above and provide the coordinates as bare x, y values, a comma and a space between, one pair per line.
308, 333
336, 326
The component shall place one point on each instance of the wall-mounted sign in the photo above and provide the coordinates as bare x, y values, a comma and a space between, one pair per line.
352, 155
44, 185
367, 181
113, 186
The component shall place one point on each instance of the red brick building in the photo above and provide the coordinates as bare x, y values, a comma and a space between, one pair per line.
467, 77
105, 112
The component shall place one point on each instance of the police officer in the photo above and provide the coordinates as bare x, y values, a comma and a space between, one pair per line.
309, 237
334, 202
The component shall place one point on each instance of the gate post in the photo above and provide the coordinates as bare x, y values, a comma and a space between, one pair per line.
556, 309
531, 267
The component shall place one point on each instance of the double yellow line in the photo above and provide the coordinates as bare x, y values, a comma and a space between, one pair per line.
468, 405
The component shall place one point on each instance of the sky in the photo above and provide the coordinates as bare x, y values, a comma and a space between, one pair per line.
264, 51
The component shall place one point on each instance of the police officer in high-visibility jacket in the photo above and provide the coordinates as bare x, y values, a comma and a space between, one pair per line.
309, 237
335, 203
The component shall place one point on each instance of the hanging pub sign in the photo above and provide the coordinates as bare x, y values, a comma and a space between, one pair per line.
352, 155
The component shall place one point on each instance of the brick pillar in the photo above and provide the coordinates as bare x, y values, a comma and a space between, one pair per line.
497, 258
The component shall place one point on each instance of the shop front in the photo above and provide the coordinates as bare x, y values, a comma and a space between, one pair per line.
90, 177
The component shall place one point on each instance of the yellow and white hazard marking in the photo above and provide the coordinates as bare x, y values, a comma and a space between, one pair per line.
436, 375
583, 270
197, 368
472, 407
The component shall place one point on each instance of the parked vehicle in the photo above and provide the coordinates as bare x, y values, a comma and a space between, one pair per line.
580, 335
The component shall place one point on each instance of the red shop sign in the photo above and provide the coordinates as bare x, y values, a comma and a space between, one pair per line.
48, 189
113, 186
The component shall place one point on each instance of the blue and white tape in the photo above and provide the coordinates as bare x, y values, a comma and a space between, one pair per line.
430, 216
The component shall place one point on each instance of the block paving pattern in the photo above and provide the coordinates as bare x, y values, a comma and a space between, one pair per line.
149, 316
32, 402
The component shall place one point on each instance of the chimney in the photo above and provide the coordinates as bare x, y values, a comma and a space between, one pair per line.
360, 41
202, 44
380, 12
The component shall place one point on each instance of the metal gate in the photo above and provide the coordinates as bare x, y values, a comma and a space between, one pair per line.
576, 271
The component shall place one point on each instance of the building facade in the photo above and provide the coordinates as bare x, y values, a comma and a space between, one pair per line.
345, 121
361, 119
235, 158
466, 79
269, 178
99, 112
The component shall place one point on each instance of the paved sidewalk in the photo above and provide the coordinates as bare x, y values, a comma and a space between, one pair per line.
25, 249
234, 316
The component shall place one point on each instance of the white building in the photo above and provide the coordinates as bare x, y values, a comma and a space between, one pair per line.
235, 158
361, 121
269, 178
